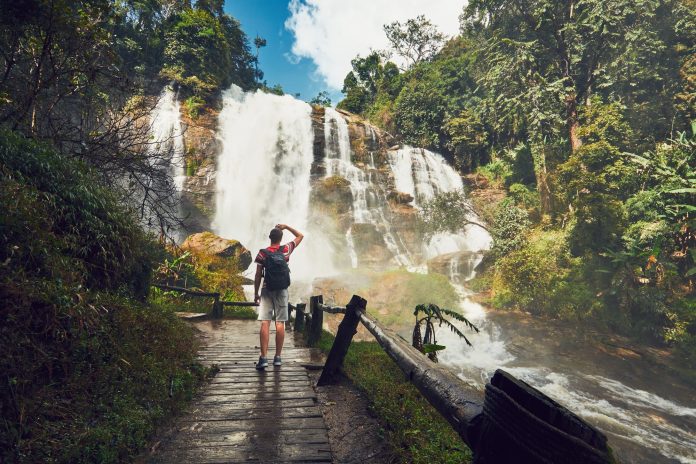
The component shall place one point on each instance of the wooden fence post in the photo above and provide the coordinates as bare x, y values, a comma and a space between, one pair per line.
299, 317
217, 306
317, 320
346, 329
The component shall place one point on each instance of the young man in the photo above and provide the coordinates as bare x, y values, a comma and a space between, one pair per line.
271, 264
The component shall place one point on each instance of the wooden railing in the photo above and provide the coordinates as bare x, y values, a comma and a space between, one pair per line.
510, 422
218, 305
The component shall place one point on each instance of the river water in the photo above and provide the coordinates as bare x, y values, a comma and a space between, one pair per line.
264, 177
647, 412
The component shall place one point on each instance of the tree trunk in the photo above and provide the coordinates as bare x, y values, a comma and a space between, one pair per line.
572, 121
541, 175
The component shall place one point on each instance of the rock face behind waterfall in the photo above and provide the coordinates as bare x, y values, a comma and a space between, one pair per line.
201, 150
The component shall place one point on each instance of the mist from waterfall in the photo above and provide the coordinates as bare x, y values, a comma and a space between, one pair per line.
263, 176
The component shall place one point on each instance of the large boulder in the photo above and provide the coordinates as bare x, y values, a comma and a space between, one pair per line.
207, 243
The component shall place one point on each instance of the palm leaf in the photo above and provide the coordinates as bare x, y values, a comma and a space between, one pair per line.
460, 318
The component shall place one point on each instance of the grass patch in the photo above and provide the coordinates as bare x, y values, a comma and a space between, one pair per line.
415, 430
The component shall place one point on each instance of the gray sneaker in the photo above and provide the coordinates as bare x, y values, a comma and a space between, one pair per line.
277, 361
262, 364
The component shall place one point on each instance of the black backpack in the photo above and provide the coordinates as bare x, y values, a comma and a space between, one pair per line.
276, 270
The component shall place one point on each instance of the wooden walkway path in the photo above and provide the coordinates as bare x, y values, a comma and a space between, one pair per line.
245, 415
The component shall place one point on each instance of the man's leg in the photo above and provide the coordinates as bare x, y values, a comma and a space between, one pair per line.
280, 337
281, 311
264, 335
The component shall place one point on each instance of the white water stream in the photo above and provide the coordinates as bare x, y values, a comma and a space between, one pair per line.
264, 178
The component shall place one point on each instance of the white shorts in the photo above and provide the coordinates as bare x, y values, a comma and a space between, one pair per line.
273, 303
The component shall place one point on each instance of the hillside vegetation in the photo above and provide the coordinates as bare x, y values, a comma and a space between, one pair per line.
89, 368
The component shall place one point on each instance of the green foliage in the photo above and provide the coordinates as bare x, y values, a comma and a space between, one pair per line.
89, 369
322, 99
193, 105
205, 51
509, 229
541, 277
448, 212
497, 172
416, 432
99, 238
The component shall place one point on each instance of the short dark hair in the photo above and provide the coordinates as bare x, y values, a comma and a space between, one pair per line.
276, 235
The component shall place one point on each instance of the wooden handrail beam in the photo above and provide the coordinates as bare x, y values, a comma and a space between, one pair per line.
238, 303
187, 291
456, 402
332, 309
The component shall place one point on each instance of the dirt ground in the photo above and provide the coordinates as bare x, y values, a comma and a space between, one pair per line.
355, 434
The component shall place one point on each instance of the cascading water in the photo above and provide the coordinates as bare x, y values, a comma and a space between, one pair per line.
367, 207
166, 155
424, 174
264, 175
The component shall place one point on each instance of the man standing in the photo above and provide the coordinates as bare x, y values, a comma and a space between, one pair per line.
272, 265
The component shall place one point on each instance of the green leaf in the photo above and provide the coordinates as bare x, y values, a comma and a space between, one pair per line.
431, 348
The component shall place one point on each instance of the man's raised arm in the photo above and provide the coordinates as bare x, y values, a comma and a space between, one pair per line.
298, 235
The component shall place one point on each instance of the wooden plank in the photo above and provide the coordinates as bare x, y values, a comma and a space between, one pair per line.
267, 424
265, 411
255, 391
216, 399
250, 437
229, 455
246, 405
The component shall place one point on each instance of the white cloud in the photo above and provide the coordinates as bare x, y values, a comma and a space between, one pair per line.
333, 32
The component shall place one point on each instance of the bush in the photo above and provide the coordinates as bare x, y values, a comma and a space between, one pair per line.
508, 230
100, 240
542, 278
497, 172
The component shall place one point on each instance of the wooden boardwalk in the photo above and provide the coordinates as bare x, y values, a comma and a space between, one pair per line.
245, 415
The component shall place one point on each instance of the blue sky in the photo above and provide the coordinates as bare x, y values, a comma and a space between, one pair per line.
267, 19
310, 43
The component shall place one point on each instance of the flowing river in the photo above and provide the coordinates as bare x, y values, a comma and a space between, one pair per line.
265, 176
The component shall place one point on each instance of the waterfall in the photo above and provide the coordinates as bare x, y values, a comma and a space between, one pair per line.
168, 136
368, 208
158, 196
424, 174
264, 175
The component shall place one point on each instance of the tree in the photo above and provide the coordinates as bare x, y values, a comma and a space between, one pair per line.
448, 212
205, 52
368, 77
415, 41
322, 99
258, 43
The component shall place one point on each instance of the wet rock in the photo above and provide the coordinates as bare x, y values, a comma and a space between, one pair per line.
400, 197
319, 147
370, 247
207, 243
457, 264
